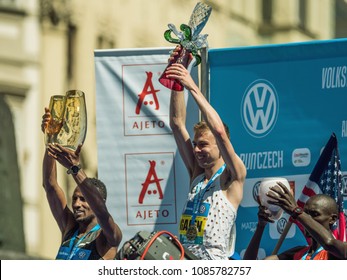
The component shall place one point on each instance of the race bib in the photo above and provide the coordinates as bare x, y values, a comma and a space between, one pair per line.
193, 233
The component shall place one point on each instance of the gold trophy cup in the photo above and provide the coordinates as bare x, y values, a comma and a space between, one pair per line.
68, 125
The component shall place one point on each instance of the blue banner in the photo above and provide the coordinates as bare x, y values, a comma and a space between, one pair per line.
282, 103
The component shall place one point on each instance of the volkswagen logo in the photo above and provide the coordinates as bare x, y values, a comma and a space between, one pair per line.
259, 108
281, 224
255, 192
344, 185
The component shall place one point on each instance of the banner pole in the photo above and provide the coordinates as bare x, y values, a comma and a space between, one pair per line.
204, 74
282, 237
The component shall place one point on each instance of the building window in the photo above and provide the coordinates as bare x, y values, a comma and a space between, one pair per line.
340, 19
303, 14
267, 11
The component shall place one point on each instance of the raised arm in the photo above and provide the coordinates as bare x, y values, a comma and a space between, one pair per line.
236, 168
54, 193
178, 126
69, 158
251, 252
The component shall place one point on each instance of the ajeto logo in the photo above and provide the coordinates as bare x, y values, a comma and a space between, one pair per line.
148, 89
151, 178
150, 188
259, 108
145, 110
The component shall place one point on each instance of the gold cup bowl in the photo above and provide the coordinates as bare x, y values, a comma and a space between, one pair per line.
68, 124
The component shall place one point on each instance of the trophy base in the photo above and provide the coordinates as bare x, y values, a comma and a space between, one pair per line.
183, 58
171, 83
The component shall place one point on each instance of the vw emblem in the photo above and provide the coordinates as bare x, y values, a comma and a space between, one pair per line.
256, 191
259, 108
344, 185
281, 224
202, 208
81, 254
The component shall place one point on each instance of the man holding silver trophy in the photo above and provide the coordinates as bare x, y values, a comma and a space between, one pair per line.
88, 230
217, 174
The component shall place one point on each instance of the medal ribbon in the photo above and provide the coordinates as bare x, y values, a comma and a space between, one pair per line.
200, 194
74, 248
313, 255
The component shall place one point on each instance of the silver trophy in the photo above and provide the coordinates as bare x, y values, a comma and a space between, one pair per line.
190, 39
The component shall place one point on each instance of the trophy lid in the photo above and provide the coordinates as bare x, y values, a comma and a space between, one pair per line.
199, 17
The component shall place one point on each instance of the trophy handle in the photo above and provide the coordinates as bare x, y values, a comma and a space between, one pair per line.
183, 58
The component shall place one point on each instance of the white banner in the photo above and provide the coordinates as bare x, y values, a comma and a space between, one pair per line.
146, 179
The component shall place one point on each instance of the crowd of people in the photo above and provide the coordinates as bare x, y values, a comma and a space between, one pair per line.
217, 177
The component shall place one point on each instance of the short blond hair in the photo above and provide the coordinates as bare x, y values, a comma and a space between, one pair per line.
203, 127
